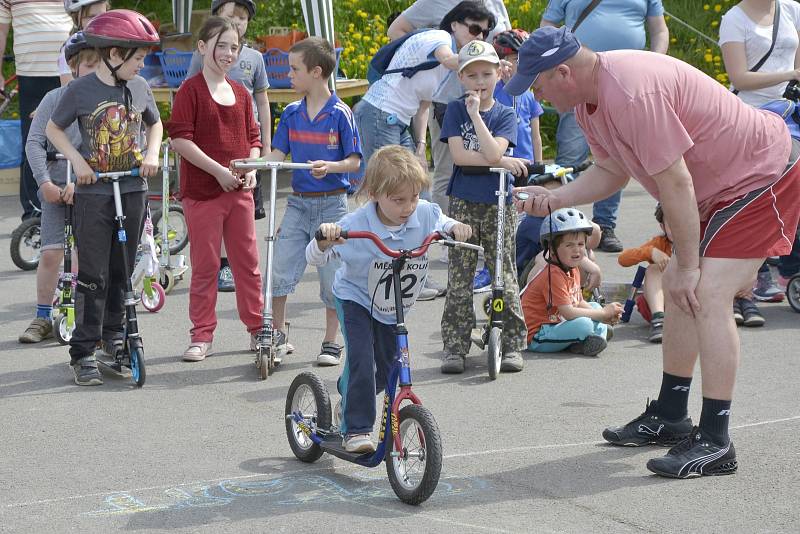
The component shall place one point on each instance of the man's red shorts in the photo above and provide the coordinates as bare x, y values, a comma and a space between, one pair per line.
759, 224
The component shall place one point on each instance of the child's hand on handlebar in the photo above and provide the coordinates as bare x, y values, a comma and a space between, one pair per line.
249, 181
68, 193
461, 231
149, 166
83, 172
332, 233
320, 168
227, 181
517, 166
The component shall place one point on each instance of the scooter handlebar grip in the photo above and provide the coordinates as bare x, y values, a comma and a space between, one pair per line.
320, 237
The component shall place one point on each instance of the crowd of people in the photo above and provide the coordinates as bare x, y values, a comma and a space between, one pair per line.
459, 71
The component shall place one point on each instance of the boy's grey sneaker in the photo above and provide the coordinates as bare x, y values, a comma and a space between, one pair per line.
511, 362
591, 346
766, 290
649, 429
750, 313
737, 312
225, 282
696, 456
358, 443
330, 354
453, 364
431, 290
86, 372
39, 330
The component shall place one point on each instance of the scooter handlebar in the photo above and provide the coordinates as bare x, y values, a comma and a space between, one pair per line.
533, 168
258, 163
422, 249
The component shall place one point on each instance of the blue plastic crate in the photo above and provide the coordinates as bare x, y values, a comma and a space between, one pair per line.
277, 63
175, 65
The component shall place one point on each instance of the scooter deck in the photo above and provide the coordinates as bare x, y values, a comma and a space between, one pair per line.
332, 444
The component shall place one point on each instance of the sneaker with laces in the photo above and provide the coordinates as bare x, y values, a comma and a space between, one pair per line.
225, 282
197, 351
609, 242
696, 456
39, 330
592, 345
358, 443
482, 281
511, 362
766, 290
750, 313
649, 429
86, 371
330, 354
453, 364
737, 312
282, 342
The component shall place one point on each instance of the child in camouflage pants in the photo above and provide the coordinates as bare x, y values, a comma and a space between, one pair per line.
479, 131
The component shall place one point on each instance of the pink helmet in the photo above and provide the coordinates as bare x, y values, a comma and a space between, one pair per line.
121, 28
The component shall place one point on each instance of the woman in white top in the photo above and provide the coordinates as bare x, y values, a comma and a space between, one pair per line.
745, 35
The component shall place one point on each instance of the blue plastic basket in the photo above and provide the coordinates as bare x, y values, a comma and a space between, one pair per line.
174, 64
10, 144
277, 63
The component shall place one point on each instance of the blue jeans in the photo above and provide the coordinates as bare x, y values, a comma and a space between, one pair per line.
300, 221
528, 245
378, 129
557, 337
573, 150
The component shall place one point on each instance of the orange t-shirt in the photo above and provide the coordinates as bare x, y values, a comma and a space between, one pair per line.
566, 291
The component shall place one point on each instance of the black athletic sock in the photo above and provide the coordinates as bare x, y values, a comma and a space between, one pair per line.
223, 262
674, 397
657, 315
714, 420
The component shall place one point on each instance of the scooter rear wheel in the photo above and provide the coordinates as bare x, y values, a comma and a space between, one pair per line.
493, 352
61, 330
309, 398
167, 280
154, 302
138, 373
414, 477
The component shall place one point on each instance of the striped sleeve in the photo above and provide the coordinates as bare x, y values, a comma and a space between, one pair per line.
40, 29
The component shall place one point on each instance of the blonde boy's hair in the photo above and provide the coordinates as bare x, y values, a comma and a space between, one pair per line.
87, 55
389, 169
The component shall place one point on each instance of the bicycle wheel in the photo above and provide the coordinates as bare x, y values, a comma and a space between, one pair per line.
793, 292
62, 330
137, 365
414, 476
493, 352
26, 244
154, 302
309, 398
177, 230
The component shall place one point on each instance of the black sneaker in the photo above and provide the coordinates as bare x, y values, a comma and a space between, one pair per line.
591, 346
86, 372
609, 241
696, 456
649, 429
656, 330
737, 312
750, 313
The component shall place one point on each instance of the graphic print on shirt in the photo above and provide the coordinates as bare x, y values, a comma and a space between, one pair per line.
115, 143
469, 136
380, 283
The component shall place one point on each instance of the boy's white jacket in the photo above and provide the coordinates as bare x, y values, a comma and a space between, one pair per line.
365, 276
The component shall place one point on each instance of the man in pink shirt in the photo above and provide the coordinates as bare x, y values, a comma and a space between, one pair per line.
726, 177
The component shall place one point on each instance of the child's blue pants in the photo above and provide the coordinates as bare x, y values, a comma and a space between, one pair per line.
557, 337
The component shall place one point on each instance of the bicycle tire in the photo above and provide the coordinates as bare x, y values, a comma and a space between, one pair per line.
27, 234
303, 384
429, 442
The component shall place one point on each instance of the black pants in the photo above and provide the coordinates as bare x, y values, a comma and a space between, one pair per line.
99, 298
31, 92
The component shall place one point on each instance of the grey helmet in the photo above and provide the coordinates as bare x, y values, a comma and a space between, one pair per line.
249, 5
563, 221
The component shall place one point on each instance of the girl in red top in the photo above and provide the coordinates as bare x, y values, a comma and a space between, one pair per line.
212, 123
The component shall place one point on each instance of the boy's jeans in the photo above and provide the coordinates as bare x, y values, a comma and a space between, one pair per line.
557, 337
573, 150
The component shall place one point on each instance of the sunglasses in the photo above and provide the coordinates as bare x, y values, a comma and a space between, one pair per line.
476, 29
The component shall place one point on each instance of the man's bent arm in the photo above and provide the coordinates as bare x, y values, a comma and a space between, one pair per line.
678, 201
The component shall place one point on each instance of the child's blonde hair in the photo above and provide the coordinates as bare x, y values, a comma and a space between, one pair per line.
87, 55
389, 169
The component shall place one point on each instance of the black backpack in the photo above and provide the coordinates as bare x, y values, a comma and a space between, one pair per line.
379, 65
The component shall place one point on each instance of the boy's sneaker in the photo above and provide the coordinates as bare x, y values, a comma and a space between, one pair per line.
39, 330
431, 290
511, 362
591, 346
86, 371
358, 443
225, 282
330, 354
609, 241
766, 290
649, 429
197, 351
751, 315
656, 330
282, 342
737, 312
482, 281
453, 364
696, 456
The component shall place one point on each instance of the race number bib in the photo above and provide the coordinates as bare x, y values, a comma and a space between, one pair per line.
381, 284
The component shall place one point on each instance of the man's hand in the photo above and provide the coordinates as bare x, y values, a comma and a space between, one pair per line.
461, 231
83, 172
681, 284
660, 259
249, 181
540, 203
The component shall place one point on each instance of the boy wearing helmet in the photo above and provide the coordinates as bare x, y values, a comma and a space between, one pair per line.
122, 39
82, 13
53, 191
556, 314
250, 71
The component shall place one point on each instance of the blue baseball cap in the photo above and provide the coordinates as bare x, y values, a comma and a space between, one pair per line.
543, 50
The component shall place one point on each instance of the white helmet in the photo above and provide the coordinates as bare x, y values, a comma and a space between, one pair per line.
73, 6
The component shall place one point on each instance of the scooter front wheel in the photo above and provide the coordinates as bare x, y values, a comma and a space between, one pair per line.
263, 358
167, 280
62, 329
493, 352
415, 475
155, 301
793, 292
137, 365
307, 398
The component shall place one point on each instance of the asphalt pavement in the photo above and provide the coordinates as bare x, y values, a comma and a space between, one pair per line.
202, 447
